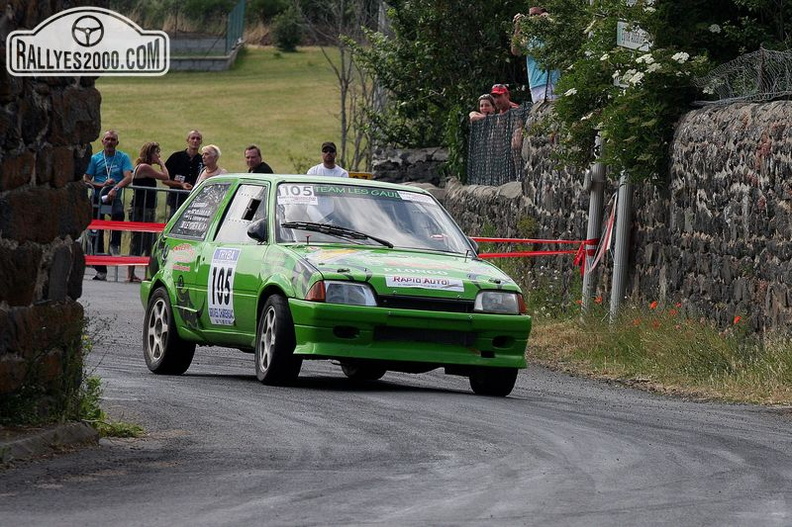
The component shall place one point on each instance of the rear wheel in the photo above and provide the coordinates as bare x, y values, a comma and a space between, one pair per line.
276, 363
497, 382
165, 351
362, 372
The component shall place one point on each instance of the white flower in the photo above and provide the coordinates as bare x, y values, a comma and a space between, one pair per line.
588, 54
637, 78
714, 28
653, 68
680, 57
708, 90
616, 74
570, 91
605, 57
587, 116
647, 58
650, 9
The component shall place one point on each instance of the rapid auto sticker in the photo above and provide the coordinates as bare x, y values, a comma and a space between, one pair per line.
221, 286
425, 282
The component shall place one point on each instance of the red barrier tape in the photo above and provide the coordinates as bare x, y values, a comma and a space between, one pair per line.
137, 226
101, 259
580, 252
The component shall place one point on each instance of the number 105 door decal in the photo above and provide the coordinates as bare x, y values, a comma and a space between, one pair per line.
221, 286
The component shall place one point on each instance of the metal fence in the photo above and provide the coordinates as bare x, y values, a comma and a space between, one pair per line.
235, 26
759, 76
495, 148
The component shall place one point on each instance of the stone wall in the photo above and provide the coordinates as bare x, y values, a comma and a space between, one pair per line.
46, 126
718, 240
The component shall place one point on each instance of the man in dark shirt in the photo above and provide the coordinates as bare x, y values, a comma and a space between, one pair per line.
183, 167
254, 161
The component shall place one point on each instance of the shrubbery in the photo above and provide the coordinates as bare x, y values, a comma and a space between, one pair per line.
287, 31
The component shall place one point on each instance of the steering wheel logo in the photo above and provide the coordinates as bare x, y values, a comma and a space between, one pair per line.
87, 31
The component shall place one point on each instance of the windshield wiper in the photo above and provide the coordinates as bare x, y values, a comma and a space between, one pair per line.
335, 230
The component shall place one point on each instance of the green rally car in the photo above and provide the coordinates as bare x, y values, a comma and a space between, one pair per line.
375, 276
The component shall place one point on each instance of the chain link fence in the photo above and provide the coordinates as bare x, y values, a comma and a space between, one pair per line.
494, 150
759, 76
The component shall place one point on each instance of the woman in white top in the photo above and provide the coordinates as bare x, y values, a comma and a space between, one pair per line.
210, 154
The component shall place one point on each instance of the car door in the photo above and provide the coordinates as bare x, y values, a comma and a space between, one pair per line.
228, 277
181, 247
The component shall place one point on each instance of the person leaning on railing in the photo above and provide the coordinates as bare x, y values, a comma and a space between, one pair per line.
144, 201
108, 172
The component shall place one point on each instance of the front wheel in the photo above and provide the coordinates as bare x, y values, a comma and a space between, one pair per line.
497, 382
276, 363
165, 351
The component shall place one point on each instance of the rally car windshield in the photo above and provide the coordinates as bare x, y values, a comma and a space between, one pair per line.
308, 213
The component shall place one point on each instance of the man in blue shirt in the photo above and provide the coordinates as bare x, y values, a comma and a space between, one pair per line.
541, 81
108, 171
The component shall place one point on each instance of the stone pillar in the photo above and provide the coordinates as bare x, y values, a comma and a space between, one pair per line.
46, 127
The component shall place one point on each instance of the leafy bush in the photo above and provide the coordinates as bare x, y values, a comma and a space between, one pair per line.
287, 31
265, 10
634, 98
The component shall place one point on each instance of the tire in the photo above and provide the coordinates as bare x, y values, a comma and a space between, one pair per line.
165, 351
496, 382
276, 363
362, 372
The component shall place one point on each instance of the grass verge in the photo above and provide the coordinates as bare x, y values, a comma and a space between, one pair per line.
664, 351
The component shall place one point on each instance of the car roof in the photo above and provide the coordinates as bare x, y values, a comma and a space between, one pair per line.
302, 178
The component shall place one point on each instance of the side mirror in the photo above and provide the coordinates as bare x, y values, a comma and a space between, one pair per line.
475, 245
258, 230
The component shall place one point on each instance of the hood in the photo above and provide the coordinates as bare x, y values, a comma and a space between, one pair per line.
403, 272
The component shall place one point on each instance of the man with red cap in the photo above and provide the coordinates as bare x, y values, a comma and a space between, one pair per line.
503, 102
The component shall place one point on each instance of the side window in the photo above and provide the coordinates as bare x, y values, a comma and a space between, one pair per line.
248, 205
195, 219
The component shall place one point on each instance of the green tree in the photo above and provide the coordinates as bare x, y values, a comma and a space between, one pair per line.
432, 62
635, 97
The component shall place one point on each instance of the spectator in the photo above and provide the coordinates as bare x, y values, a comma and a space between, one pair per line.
541, 81
486, 106
503, 102
144, 201
108, 172
183, 168
328, 165
254, 162
210, 154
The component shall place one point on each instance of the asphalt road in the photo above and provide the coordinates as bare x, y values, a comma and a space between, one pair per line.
222, 449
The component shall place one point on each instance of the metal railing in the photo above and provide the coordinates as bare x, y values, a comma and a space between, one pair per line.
123, 231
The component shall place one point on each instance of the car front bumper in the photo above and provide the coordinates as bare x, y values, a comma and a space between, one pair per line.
473, 339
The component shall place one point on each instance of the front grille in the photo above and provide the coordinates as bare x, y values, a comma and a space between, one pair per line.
434, 336
426, 304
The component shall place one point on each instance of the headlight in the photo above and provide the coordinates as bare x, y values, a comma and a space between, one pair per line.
339, 292
504, 302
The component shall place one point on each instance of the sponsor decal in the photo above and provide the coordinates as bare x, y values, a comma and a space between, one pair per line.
425, 282
87, 41
184, 252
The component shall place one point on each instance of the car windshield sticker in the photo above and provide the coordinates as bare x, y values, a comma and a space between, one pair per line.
414, 196
425, 282
194, 221
296, 194
221, 286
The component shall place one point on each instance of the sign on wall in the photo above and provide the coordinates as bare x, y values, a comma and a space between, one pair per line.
87, 41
